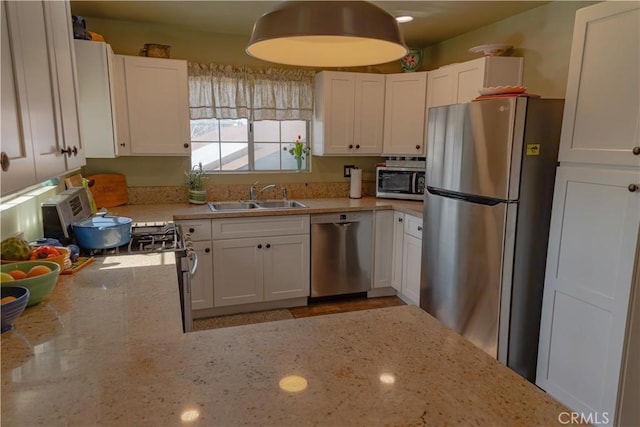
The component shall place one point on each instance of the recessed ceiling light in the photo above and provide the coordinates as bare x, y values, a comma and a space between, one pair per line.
404, 18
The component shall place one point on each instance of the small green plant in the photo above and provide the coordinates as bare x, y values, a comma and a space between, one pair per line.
195, 177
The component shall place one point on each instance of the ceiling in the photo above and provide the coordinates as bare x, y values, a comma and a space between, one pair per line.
434, 21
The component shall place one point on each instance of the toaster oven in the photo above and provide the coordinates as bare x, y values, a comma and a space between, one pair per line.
63, 209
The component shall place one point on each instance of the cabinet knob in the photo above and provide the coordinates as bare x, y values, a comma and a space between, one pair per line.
4, 161
636, 151
66, 151
75, 151
268, 245
350, 146
419, 228
122, 144
191, 230
633, 187
400, 220
417, 147
186, 145
207, 250
259, 245
357, 146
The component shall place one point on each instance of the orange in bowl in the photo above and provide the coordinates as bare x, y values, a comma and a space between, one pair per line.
39, 285
17, 274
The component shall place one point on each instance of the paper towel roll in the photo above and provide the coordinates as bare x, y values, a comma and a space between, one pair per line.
356, 184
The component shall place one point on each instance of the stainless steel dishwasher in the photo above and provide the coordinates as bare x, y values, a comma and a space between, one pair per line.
341, 253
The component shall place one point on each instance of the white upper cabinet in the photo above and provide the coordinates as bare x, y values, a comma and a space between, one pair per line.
62, 57
157, 102
96, 81
459, 83
601, 122
404, 114
348, 113
18, 167
41, 139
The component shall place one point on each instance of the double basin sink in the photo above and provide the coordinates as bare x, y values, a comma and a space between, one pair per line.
257, 204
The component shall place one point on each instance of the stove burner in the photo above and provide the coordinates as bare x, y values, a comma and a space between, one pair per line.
154, 237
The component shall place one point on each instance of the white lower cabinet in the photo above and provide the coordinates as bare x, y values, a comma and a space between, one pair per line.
398, 244
383, 249
406, 256
273, 264
202, 281
411, 259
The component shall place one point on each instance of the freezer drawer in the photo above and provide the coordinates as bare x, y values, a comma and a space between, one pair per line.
462, 276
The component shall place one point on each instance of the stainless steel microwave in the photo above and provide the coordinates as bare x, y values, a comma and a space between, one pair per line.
400, 183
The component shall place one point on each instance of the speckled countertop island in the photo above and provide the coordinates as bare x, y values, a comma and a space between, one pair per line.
106, 348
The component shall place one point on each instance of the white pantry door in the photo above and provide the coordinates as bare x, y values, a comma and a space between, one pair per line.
593, 247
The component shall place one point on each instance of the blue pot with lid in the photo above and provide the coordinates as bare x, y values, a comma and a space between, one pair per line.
102, 232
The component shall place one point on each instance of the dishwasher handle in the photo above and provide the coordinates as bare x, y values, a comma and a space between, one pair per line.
343, 224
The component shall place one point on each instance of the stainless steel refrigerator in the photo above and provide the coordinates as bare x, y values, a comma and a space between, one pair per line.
489, 186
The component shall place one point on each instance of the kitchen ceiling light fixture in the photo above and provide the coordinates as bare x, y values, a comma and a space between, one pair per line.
327, 34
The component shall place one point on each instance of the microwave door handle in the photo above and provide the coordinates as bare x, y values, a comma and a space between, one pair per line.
414, 183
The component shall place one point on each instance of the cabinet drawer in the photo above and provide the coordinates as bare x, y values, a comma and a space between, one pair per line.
200, 229
413, 226
259, 226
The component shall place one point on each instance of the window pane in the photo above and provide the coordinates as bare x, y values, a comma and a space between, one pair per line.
204, 130
234, 130
206, 152
288, 161
267, 156
266, 131
235, 156
292, 128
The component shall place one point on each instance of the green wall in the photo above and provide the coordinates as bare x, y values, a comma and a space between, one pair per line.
542, 36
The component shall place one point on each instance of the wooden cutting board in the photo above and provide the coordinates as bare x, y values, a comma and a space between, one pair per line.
109, 190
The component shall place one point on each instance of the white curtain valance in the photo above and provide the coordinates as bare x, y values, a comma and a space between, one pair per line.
234, 92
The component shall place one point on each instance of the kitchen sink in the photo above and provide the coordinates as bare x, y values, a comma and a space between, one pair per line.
281, 204
232, 206
248, 205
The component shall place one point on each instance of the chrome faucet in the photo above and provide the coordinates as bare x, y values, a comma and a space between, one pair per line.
253, 194
284, 193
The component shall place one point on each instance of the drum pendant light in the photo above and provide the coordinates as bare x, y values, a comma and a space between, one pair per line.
327, 34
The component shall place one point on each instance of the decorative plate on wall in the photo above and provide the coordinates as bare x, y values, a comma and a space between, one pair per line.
412, 60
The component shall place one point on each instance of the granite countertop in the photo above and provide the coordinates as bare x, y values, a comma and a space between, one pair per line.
184, 211
106, 348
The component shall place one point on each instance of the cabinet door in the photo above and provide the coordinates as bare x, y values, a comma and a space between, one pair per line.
404, 114
16, 136
590, 265
157, 103
369, 113
334, 113
63, 66
412, 263
398, 247
383, 249
468, 78
238, 271
440, 87
601, 121
202, 281
286, 267
96, 88
28, 35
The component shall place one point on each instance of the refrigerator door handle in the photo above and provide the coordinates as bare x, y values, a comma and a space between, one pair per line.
472, 198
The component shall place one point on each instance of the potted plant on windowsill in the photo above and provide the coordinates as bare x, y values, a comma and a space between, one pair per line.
298, 150
195, 180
